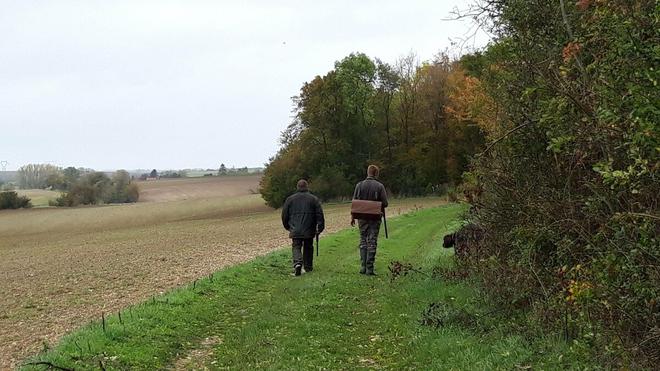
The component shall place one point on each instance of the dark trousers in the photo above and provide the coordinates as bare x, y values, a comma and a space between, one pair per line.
303, 252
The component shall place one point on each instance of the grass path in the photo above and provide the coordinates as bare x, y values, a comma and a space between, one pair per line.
256, 315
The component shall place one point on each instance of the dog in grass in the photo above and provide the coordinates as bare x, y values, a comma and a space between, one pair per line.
465, 241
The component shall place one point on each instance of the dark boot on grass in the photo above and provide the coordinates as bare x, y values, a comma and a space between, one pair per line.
363, 261
297, 269
371, 260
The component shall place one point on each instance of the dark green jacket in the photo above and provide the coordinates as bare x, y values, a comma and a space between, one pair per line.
372, 190
302, 215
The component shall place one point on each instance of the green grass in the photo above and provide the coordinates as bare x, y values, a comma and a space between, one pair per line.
39, 197
333, 318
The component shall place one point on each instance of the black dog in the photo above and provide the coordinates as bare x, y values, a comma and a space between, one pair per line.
449, 240
465, 241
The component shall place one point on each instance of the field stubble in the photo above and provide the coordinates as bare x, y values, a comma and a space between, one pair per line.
62, 268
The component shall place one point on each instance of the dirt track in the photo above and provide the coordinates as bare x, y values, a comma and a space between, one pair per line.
61, 268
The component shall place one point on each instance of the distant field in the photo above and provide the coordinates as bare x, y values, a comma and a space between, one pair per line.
39, 197
196, 188
60, 267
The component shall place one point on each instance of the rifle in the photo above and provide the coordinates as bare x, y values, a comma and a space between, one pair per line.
317, 244
385, 223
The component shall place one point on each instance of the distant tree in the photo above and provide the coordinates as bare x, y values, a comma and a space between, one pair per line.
56, 180
123, 190
71, 176
222, 170
35, 175
171, 174
153, 174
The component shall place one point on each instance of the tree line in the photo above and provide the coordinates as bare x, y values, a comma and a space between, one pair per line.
79, 186
567, 191
402, 117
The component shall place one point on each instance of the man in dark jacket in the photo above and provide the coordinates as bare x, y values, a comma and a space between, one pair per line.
372, 190
302, 216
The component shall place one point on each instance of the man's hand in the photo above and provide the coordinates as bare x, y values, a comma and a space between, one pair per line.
352, 222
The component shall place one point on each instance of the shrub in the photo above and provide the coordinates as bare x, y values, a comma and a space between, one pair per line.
132, 193
11, 200
95, 188
570, 183
331, 184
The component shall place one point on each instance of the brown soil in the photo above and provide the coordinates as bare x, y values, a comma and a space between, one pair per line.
195, 188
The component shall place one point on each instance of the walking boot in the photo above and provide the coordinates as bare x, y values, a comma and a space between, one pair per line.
371, 260
363, 261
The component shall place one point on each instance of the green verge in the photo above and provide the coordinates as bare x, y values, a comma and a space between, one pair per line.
333, 318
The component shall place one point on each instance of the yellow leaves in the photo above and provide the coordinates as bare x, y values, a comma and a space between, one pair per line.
468, 101
577, 289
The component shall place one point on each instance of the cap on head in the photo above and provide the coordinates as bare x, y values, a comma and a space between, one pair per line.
302, 185
373, 171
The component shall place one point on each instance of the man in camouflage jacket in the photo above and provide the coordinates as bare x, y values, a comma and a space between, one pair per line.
372, 190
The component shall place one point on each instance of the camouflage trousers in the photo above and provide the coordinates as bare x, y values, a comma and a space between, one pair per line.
369, 234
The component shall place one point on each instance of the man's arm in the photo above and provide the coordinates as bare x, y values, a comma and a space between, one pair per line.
285, 215
355, 197
320, 219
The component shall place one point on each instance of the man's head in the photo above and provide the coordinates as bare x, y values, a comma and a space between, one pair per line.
373, 171
302, 185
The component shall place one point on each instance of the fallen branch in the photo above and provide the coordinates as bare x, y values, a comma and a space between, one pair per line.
503, 137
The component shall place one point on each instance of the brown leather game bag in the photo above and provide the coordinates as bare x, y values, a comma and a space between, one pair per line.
363, 209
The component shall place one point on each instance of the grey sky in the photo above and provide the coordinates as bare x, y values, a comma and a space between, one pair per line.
182, 84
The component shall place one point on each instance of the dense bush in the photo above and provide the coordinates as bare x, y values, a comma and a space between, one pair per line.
95, 188
571, 183
11, 200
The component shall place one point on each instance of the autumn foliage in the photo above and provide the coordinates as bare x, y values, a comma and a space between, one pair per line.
571, 177
402, 118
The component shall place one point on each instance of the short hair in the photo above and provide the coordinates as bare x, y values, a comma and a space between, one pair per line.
302, 185
373, 170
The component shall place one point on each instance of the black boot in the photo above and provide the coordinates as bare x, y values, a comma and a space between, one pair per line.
371, 259
363, 261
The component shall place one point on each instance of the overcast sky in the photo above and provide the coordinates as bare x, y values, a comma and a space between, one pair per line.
183, 84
